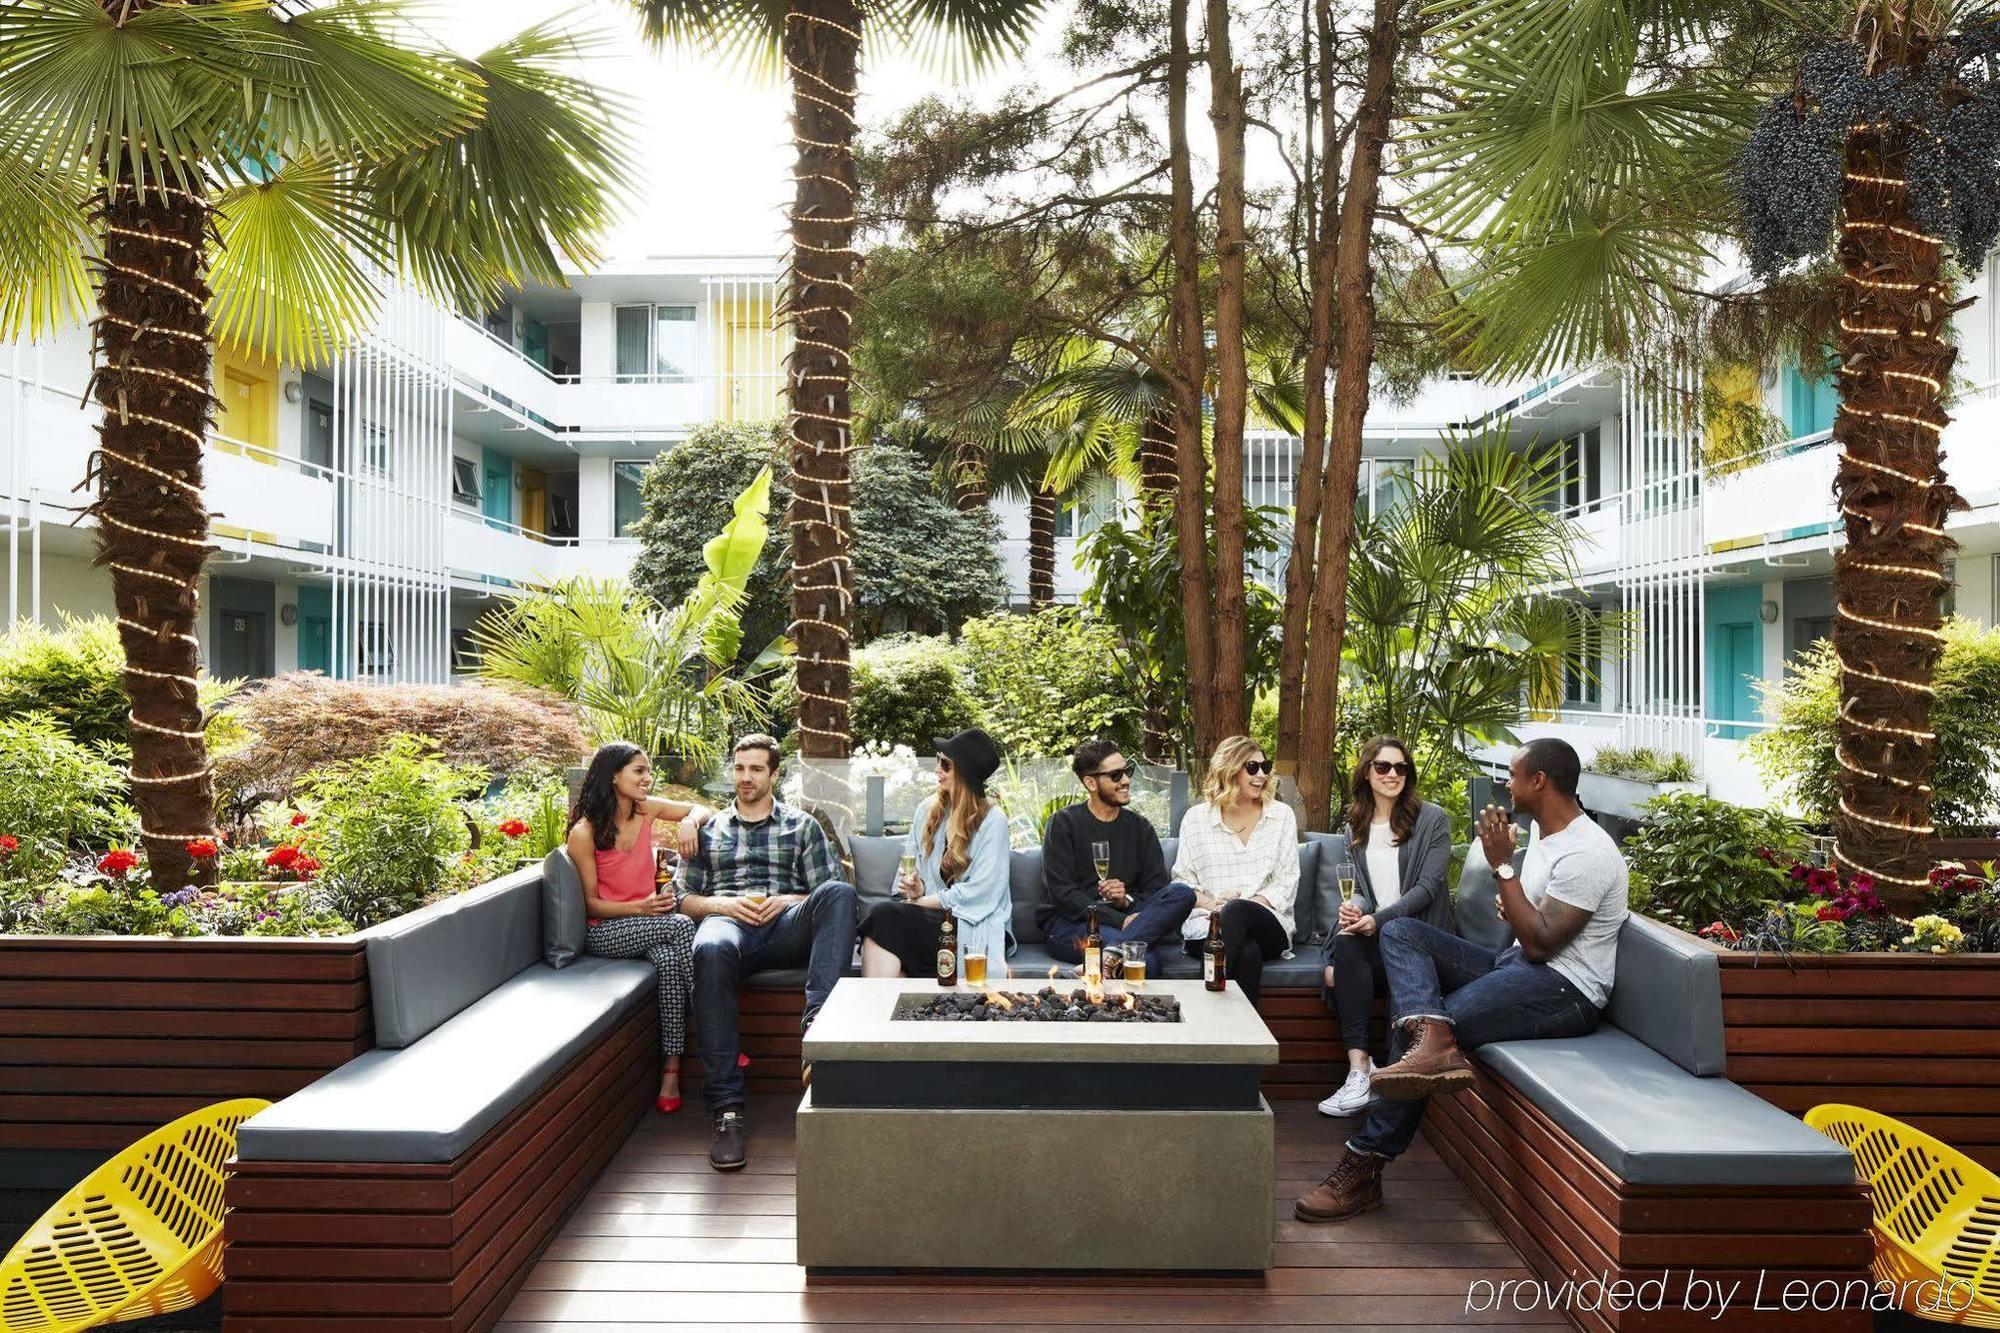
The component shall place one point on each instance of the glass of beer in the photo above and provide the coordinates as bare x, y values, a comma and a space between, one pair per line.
975, 966
1135, 964
756, 895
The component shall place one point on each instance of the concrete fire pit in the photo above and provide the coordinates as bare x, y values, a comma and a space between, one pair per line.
1006, 1146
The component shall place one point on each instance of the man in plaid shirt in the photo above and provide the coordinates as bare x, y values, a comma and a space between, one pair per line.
807, 916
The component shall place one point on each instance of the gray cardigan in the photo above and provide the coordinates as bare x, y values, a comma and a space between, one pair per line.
1421, 862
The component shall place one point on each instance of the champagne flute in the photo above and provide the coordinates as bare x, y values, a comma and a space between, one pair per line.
1100, 856
1344, 872
906, 866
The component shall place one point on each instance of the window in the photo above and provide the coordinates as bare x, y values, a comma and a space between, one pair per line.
375, 448
655, 343
1807, 406
465, 482
1388, 484
1583, 470
1582, 687
378, 653
628, 503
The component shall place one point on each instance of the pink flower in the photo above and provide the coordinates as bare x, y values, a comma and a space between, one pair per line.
513, 828
116, 862
202, 849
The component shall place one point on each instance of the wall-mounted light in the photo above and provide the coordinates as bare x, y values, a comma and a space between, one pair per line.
295, 392
288, 614
1768, 612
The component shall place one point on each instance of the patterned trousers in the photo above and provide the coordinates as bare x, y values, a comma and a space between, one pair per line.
667, 942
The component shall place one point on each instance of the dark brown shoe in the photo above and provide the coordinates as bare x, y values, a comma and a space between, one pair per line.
1432, 1064
1353, 1187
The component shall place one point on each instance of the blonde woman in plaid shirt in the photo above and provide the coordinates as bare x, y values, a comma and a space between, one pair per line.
1240, 851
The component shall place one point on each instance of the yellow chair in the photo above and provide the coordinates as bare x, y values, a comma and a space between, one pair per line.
141, 1235
1937, 1215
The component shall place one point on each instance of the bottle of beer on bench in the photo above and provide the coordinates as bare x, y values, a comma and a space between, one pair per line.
1093, 955
947, 953
663, 872
1214, 971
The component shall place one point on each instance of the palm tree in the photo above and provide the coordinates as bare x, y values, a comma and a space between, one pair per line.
183, 173
1602, 156
819, 43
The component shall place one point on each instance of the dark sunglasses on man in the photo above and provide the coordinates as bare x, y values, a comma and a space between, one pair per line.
1383, 768
1115, 774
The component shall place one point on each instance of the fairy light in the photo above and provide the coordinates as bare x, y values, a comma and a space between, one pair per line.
1840, 757
134, 719
1915, 571
140, 466
1901, 418
1920, 830
1892, 626
151, 237
1877, 180
1905, 232
1880, 876
144, 328
1869, 519
1934, 385
1882, 331
1871, 465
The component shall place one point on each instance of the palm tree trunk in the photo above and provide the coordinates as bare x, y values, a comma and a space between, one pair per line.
1232, 389
1042, 504
822, 55
1322, 255
1189, 358
969, 462
1156, 460
1355, 318
1894, 364
153, 380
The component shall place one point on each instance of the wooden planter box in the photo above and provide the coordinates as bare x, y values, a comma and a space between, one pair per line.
105, 1037
1915, 1036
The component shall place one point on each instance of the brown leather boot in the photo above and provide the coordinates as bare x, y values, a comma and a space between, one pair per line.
1353, 1187
1431, 1064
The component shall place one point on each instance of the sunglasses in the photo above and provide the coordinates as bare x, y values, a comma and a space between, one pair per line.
1259, 767
1383, 768
1116, 774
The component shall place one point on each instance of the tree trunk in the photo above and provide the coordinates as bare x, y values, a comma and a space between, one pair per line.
969, 462
822, 54
1232, 387
1157, 476
1355, 318
1895, 363
1322, 251
1190, 526
1042, 506
153, 380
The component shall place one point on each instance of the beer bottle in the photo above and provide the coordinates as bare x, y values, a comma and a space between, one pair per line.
1214, 969
1093, 955
947, 953
663, 871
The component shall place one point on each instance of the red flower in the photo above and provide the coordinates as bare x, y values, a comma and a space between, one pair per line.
1829, 913
513, 828
201, 849
116, 862
1798, 870
9, 844
284, 858
298, 818
305, 866
1720, 932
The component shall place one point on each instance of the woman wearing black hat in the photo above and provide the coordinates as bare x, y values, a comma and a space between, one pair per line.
959, 838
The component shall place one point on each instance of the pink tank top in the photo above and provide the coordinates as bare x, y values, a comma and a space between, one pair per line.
626, 877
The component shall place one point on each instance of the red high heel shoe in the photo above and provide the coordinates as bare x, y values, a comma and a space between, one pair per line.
669, 1105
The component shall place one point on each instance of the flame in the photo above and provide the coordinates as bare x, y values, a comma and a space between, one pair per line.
998, 1001
1054, 971
1129, 1003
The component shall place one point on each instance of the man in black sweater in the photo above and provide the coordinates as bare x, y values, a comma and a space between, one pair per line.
1133, 899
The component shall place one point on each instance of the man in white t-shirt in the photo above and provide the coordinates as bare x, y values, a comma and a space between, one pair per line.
1449, 995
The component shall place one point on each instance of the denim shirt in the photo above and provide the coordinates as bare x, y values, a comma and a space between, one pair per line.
981, 898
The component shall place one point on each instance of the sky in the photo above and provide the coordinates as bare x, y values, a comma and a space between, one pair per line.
714, 156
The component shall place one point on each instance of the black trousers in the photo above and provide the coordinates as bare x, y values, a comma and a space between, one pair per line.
1357, 979
1251, 934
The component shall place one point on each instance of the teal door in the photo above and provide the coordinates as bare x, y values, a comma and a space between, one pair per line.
1741, 662
498, 501
316, 630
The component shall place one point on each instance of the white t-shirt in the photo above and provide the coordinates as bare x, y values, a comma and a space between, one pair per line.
1582, 866
1383, 856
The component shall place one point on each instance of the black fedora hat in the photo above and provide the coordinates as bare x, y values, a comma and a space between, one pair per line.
973, 754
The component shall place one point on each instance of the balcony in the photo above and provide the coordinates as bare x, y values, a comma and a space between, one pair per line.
489, 550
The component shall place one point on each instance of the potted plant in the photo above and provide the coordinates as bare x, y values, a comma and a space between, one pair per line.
1622, 782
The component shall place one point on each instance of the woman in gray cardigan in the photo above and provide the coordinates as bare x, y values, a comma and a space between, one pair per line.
1400, 846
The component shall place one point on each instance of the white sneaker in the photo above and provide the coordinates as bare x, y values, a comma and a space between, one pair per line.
1354, 1094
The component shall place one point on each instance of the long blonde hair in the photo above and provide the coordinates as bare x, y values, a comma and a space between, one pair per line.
1218, 784
968, 811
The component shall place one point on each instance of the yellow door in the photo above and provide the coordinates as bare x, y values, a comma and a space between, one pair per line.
534, 501
249, 406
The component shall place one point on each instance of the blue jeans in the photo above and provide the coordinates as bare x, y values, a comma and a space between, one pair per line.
1485, 996
818, 932
1157, 922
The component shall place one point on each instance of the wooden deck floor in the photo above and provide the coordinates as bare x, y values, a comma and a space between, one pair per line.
662, 1239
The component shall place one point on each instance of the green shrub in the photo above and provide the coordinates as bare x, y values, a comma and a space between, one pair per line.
55, 794
387, 828
1642, 764
1047, 681
1797, 754
75, 676
1705, 860
908, 690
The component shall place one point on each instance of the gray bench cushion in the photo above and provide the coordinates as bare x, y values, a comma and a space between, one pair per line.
1668, 994
1472, 900
1318, 911
429, 965
1024, 883
433, 1102
563, 920
874, 868
1650, 1122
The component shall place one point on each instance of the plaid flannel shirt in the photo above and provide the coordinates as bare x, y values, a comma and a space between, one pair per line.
787, 852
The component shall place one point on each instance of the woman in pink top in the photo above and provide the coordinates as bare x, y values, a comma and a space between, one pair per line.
611, 844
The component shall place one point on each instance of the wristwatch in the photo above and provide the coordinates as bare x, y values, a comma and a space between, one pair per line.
1504, 872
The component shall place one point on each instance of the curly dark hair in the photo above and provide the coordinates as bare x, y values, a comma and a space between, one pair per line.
596, 801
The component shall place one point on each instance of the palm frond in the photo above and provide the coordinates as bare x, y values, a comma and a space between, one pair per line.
44, 281
292, 274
